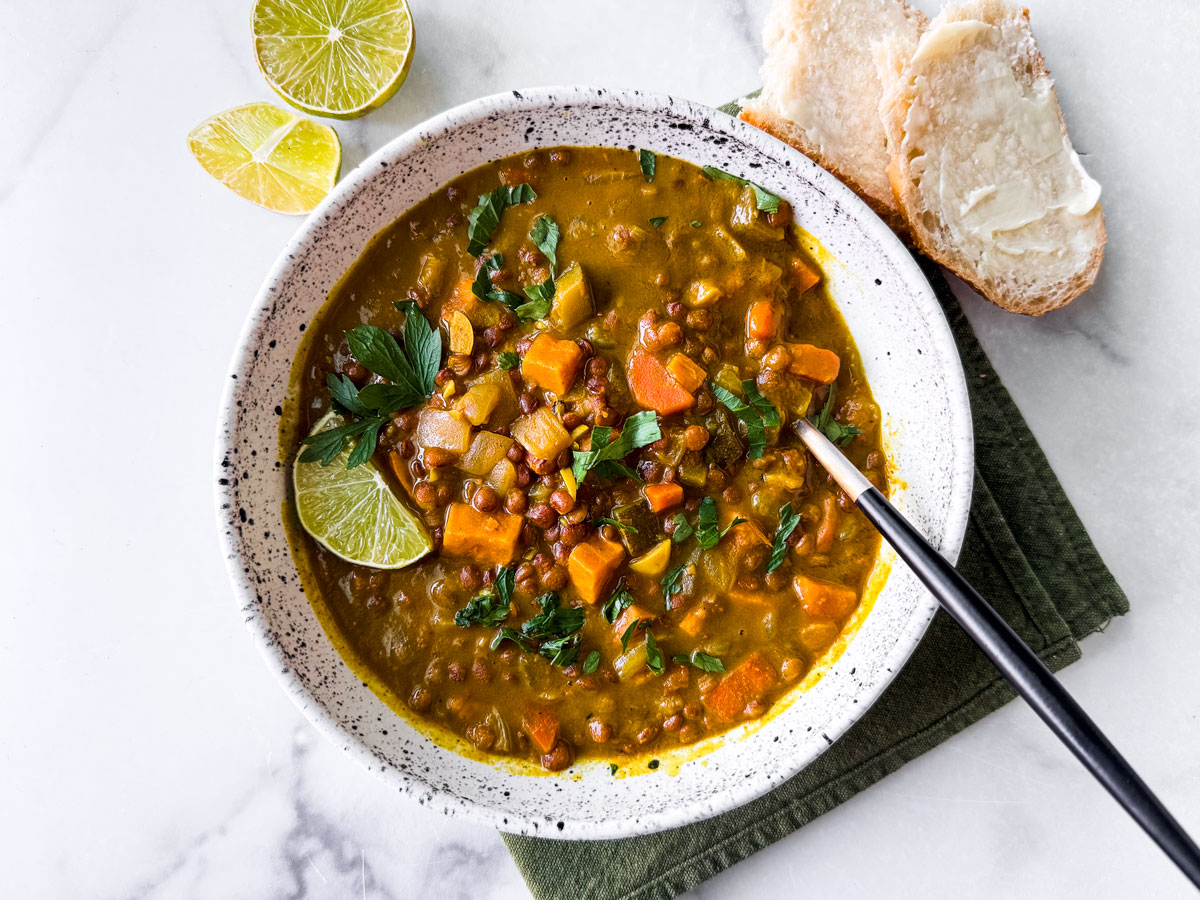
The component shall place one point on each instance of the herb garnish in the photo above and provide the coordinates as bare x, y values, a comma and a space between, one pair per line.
508, 360
537, 307
486, 215
605, 520
683, 529
554, 620
825, 422
490, 607
411, 372
701, 661
788, 521
757, 414
628, 633
708, 535
654, 657
647, 160
694, 223
606, 454
619, 601
541, 297
545, 236
612, 768
561, 651
670, 582
511, 634
658, 220
592, 663
763, 199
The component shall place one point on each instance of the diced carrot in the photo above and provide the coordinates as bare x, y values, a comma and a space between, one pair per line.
687, 373
824, 598
541, 725
627, 618
803, 275
654, 388
541, 433
749, 681
692, 623
663, 496
828, 528
813, 363
761, 320
487, 538
592, 565
552, 364
747, 533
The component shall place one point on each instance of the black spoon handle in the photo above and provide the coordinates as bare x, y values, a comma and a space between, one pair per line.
1033, 681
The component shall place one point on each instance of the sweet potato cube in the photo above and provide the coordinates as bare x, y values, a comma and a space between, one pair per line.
541, 433
552, 364
749, 681
592, 565
488, 539
654, 388
824, 598
663, 496
541, 725
803, 276
686, 372
813, 363
693, 623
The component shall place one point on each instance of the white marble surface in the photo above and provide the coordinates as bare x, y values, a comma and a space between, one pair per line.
144, 749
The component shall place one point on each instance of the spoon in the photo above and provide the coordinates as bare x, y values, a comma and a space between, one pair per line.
1011, 655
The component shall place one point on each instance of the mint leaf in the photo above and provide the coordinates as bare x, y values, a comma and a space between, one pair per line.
788, 521
825, 422
763, 199
592, 663
658, 220
683, 529
755, 415
654, 657
545, 236
701, 661
708, 535
670, 582
619, 601
648, 163
639, 430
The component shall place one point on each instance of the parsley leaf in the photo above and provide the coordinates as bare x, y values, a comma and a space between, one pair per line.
763, 199
648, 162
345, 395
486, 215
683, 529
628, 633
545, 236
612, 768
658, 220
490, 607
605, 520
825, 422
378, 351
639, 430
770, 415
701, 661
561, 651
540, 295
619, 601
554, 620
756, 415
694, 223
326, 445
540, 301
788, 521
592, 663
511, 634
508, 360
654, 657
422, 345
707, 533
670, 582
481, 287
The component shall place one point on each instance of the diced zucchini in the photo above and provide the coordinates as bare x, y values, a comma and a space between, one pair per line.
693, 473
631, 662
444, 429
653, 563
480, 400
641, 530
725, 445
486, 451
541, 433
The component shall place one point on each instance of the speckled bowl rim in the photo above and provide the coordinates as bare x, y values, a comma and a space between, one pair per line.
726, 797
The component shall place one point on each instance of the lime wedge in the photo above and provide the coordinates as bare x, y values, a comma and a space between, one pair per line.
353, 512
269, 155
339, 58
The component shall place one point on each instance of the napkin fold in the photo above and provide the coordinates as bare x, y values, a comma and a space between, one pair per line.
1025, 550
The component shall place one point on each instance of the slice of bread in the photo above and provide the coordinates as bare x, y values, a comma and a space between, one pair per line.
821, 90
981, 163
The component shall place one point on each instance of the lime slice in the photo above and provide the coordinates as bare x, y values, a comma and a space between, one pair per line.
269, 155
339, 58
353, 512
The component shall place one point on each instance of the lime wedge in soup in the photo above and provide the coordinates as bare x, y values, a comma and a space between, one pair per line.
354, 513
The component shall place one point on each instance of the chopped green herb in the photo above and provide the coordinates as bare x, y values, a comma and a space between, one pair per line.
788, 521
654, 657
670, 582
825, 422
481, 287
561, 651
683, 529
612, 768
605, 520
701, 661
486, 215
708, 535
756, 415
763, 199
345, 395
545, 236
770, 415
619, 601
658, 220
554, 620
647, 160
540, 301
653, 764
491, 607
639, 430
694, 223
511, 634
326, 445
592, 663
508, 360
627, 634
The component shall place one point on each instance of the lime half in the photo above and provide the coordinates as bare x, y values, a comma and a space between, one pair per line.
338, 58
353, 512
269, 155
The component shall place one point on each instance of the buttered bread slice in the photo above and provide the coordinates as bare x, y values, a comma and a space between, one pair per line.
981, 163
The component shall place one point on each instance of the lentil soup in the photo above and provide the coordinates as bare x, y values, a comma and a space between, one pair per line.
631, 550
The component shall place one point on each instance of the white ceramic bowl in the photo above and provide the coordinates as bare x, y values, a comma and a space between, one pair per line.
910, 360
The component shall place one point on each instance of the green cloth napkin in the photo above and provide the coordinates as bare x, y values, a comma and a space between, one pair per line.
1025, 550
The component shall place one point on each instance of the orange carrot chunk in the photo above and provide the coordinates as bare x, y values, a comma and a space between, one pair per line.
487, 538
749, 681
541, 725
663, 496
824, 598
803, 275
761, 320
592, 565
552, 364
813, 363
687, 373
628, 616
654, 388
